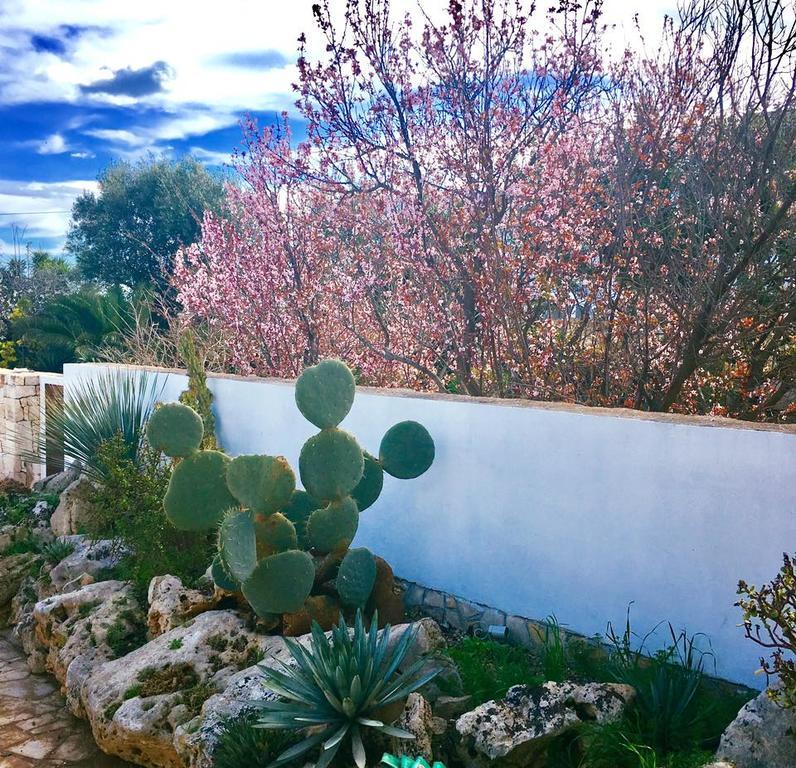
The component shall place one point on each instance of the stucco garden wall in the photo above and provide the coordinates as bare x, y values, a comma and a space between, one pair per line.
539, 509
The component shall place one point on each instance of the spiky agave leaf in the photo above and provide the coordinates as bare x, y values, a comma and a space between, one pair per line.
116, 402
336, 685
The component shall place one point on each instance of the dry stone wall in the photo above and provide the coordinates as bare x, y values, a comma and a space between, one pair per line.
19, 423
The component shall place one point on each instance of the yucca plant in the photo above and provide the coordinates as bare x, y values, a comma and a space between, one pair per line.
114, 403
339, 686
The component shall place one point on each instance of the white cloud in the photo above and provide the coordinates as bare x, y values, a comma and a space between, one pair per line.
41, 209
53, 145
199, 42
117, 136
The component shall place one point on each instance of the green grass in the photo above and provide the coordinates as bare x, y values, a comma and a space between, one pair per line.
489, 668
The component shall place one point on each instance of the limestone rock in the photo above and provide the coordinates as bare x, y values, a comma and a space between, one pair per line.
74, 508
516, 731
418, 719
171, 604
130, 702
81, 629
87, 558
763, 735
58, 482
13, 569
41, 513
196, 739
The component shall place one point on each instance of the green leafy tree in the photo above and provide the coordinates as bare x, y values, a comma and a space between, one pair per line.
127, 232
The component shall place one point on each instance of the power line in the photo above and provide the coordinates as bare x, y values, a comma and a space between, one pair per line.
30, 213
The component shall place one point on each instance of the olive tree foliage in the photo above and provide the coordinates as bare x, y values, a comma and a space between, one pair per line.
127, 232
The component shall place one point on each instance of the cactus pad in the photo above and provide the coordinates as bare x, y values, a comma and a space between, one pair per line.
221, 578
264, 484
237, 545
356, 577
369, 487
325, 392
274, 533
333, 526
407, 450
280, 583
331, 464
197, 496
298, 511
175, 429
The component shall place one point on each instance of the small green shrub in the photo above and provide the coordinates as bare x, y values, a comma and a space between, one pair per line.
769, 615
241, 744
17, 503
489, 668
175, 644
128, 508
57, 550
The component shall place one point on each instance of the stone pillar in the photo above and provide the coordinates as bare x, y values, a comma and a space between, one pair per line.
19, 424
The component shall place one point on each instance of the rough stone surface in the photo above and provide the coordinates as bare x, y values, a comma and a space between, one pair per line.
763, 735
516, 731
58, 482
75, 628
129, 701
73, 509
418, 719
171, 604
195, 740
87, 558
13, 570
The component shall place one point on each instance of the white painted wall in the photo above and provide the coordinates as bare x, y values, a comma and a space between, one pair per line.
539, 511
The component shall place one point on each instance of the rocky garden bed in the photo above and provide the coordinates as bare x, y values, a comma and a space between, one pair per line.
169, 681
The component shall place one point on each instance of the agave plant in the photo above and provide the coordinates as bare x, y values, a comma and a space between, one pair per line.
339, 686
97, 410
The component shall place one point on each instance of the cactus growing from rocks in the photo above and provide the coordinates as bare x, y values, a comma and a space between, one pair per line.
287, 550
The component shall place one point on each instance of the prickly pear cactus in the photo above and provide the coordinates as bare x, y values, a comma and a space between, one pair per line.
285, 549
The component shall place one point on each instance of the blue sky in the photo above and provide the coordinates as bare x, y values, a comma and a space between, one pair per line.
87, 82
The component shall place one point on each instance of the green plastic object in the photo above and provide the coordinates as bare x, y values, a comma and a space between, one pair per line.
325, 393
331, 464
404, 761
263, 484
280, 583
274, 533
334, 526
368, 489
407, 450
237, 545
221, 578
175, 429
356, 577
197, 496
